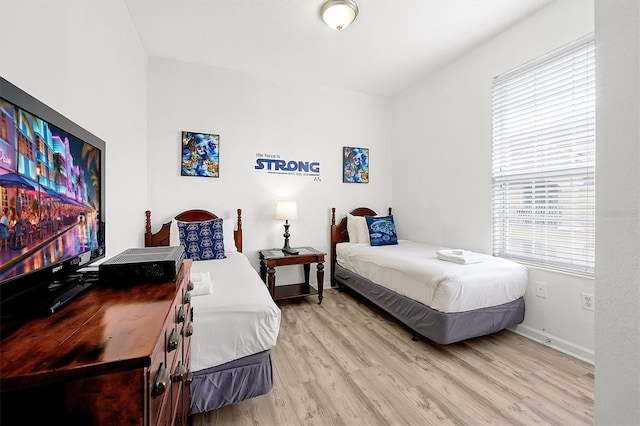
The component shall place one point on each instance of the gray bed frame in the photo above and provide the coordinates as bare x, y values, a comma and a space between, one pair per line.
440, 327
231, 382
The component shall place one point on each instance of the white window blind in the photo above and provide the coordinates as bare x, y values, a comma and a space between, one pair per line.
543, 161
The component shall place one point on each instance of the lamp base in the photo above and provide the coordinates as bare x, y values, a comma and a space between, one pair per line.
286, 248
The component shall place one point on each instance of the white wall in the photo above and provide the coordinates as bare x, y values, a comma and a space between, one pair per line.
442, 164
84, 60
253, 116
617, 329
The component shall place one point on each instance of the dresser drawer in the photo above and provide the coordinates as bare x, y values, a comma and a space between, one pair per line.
159, 383
177, 379
168, 371
186, 386
182, 389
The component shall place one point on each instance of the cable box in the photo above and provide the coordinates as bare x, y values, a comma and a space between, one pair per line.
142, 265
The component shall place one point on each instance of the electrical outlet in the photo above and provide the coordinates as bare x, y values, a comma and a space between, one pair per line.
588, 302
541, 289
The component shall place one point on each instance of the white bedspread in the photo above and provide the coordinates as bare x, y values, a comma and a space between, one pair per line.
413, 270
237, 319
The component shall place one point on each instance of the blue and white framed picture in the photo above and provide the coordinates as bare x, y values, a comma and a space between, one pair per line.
200, 154
355, 165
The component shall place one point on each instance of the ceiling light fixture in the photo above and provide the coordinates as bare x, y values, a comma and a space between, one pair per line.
339, 14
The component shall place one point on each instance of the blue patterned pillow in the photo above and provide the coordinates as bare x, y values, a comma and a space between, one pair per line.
202, 240
382, 230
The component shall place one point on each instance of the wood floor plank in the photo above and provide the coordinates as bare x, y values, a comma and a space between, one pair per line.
345, 362
407, 403
292, 368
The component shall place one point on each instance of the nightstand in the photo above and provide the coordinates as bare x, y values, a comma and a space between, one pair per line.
272, 258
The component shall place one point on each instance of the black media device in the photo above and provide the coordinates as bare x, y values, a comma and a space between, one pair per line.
141, 265
52, 204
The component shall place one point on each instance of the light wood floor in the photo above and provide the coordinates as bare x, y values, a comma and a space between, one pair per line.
344, 363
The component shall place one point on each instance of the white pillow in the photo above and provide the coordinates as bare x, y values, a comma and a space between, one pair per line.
352, 229
363, 230
357, 229
228, 226
174, 236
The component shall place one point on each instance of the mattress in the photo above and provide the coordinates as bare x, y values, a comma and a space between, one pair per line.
238, 318
413, 270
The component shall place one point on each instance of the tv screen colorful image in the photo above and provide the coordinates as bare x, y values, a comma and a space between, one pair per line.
51, 192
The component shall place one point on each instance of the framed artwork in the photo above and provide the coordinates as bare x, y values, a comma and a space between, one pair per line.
200, 154
355, 165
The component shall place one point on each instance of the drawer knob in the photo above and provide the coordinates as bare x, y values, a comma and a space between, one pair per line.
189, 379
189, 331
187, 298
173, 341
179, 374
181, 315
160, 384
190, 285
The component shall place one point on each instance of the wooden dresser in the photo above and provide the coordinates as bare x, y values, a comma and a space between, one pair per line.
114, 356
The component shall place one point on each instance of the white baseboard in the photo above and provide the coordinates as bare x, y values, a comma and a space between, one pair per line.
564, 346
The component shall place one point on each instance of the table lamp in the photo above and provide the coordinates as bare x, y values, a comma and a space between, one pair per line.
287, 210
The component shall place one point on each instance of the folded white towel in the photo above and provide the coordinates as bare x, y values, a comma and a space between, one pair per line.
461, 257
202, 283
454, 252
461, 252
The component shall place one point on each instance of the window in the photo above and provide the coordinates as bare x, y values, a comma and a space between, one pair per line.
543, 161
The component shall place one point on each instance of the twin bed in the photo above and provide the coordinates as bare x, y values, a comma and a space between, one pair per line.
235, 324
441, 300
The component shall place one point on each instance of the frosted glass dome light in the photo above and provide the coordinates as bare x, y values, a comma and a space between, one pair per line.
339, 14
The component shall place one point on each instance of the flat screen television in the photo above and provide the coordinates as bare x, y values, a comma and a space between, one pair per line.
52, 205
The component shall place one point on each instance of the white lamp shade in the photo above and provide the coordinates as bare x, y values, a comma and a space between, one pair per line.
286, 210
339, 14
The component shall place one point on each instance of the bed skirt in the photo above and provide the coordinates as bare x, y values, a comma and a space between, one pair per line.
231, 382
443, 328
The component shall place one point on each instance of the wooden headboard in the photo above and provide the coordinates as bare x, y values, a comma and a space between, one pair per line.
162, 237
339, 232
